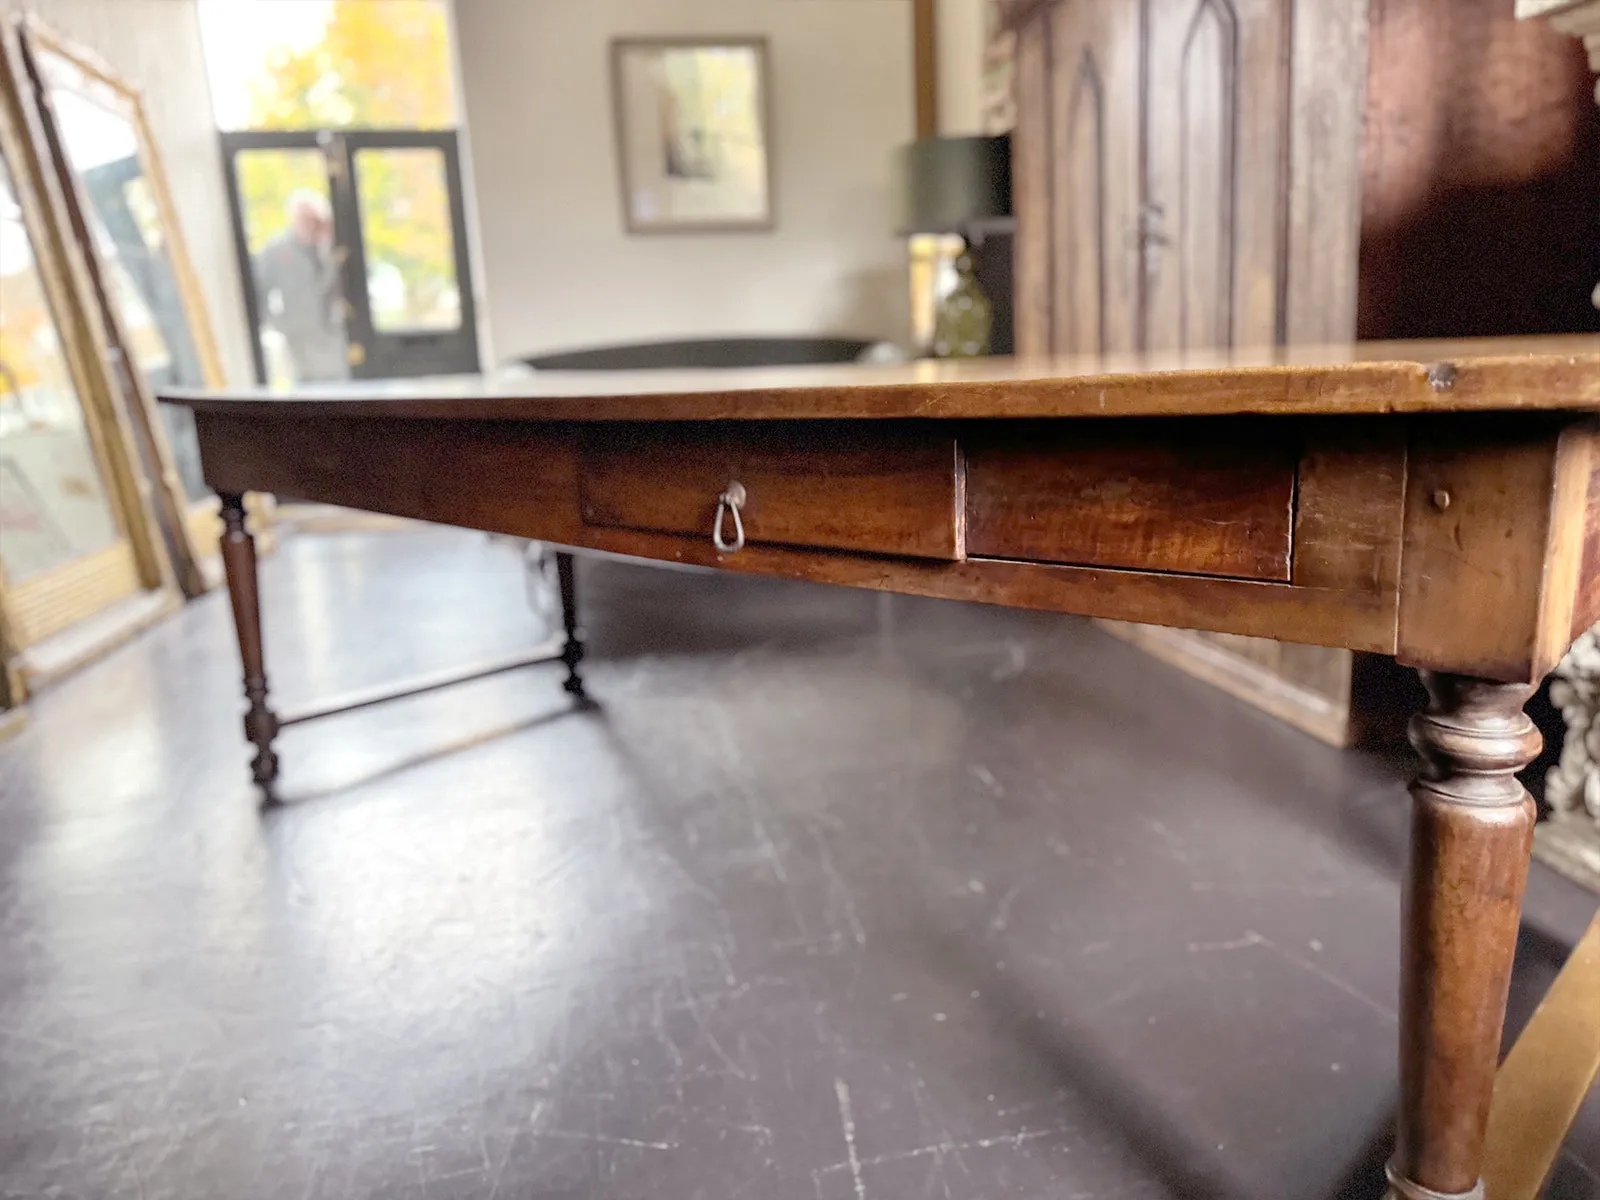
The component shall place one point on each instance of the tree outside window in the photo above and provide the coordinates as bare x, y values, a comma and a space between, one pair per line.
343, 64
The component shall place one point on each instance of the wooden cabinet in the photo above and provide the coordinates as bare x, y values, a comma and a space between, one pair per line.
1169, 159
1192, 173
1150, 147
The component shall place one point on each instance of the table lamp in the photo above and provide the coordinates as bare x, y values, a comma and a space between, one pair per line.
955, 193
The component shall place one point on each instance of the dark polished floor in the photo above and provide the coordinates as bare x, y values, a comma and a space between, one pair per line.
836, 897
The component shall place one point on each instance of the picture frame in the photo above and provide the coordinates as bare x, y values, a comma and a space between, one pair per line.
133, 318
70, 587
692, 125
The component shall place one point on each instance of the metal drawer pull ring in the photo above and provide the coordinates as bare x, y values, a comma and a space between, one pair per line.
729, 502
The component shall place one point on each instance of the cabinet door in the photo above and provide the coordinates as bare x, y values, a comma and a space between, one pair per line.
1077, 177
1216, 119
1159, 206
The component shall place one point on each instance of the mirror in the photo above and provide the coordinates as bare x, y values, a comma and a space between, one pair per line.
54, 509
129, 217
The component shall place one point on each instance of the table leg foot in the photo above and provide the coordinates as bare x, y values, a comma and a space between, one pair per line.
572, 647
239, 564
1471, 841
1401, 1189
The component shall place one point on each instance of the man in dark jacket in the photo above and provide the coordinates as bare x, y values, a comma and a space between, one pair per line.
297, 291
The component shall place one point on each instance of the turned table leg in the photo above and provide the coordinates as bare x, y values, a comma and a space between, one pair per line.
1471, 839
572, 647
239, 562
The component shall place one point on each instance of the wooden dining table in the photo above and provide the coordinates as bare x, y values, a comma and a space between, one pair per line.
1436, 502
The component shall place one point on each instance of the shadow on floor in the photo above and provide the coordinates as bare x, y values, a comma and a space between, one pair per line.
274, 798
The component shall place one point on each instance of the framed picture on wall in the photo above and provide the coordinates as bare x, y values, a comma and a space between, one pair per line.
692, 122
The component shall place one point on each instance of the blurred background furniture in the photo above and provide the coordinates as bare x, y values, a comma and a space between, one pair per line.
1194, 174
955, 197
704, 352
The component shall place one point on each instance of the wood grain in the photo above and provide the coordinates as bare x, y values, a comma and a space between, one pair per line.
1479, 195
1092, 99
522, 479
1485, 587
1239, 211
1209, 498
1321, 616
239, 561
1187, 173
1471, 841
885, 488
496, 476
1322, 235
1031, 174
1493, 527
925, 66
1350, 508
1216, 128
1359, 378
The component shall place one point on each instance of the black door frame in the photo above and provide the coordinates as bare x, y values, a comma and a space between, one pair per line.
377, 355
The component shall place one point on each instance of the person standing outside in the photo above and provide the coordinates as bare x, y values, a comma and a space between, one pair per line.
298, 293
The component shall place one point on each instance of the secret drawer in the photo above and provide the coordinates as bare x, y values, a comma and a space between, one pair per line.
874, 487
1211, 499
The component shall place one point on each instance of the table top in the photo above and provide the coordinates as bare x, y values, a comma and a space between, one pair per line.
1510, 374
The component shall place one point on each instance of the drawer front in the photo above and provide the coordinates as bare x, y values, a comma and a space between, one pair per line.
877, 487
1201, 499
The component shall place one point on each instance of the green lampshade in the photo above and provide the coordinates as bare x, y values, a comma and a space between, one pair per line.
949, 184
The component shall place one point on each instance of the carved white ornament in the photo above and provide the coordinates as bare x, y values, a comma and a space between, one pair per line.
1573, 784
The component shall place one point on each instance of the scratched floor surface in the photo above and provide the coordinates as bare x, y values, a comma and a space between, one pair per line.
837, 897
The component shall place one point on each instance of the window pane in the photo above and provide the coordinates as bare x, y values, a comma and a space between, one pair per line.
53, 506
288, 227
329, 64
405, 234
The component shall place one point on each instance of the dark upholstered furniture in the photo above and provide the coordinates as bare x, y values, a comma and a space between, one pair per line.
704, 352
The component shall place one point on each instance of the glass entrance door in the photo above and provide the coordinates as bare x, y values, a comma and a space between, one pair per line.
353, 247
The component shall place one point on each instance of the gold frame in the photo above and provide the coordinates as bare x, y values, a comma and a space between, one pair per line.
197, 521
39, 609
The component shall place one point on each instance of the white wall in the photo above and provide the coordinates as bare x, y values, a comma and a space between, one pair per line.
155, 45
959, 27
560, 271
